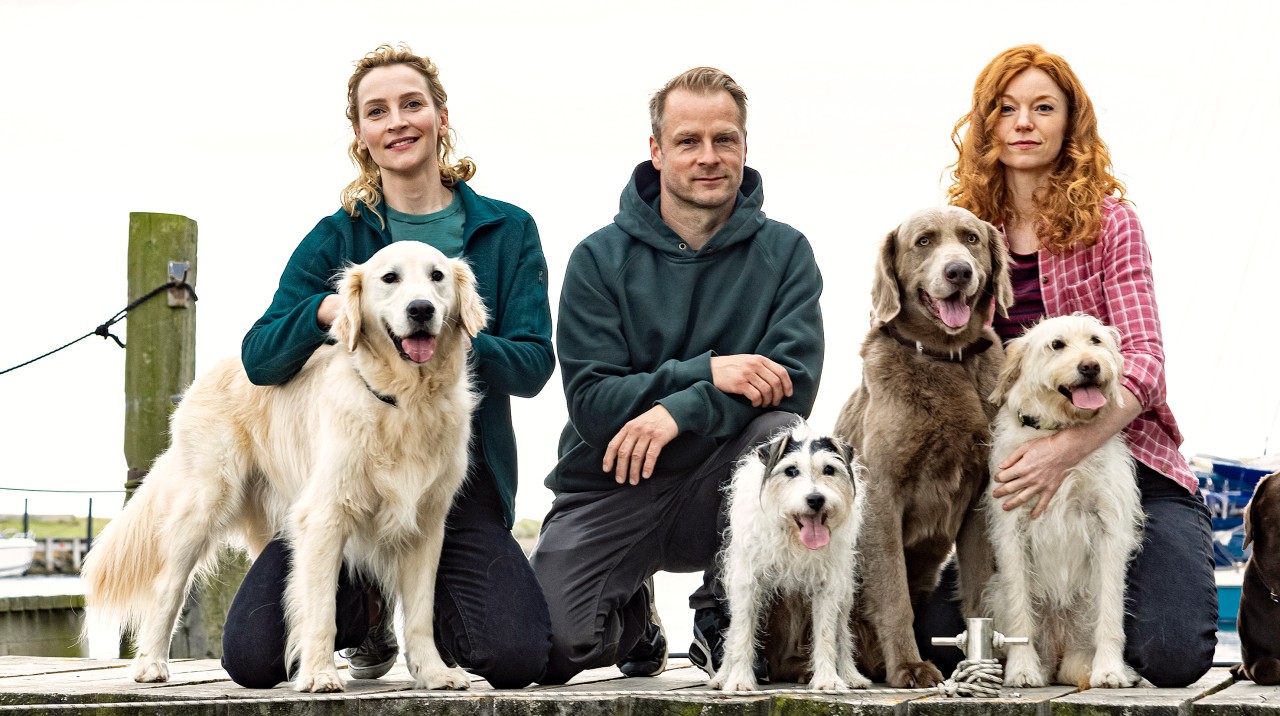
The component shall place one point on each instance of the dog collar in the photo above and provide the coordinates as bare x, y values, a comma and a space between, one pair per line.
1033, 422
973, 349
388, 399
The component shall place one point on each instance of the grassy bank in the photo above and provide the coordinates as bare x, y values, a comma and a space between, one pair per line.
53, 525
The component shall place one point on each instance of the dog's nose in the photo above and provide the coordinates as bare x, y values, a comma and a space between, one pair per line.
421, 310
1088, 368
959, 273
815, 501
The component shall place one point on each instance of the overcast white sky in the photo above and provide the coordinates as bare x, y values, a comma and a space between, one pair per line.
231, 113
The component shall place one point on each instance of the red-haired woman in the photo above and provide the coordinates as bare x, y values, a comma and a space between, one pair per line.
1031, 162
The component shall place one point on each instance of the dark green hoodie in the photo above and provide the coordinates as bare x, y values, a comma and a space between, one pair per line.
641, 315
512, 356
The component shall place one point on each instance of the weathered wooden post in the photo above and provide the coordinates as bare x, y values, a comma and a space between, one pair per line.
160, 363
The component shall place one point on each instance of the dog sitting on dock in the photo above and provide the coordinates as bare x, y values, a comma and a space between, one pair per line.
795, 510
1060, 578
1258, 622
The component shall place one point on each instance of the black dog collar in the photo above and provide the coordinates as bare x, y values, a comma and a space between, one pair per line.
388, 399
973, 349
1033, 422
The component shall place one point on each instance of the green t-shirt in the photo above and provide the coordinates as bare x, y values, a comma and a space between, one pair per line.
441, 229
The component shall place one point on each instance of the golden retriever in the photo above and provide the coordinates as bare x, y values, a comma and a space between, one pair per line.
1060, 578
920, 422
358, 455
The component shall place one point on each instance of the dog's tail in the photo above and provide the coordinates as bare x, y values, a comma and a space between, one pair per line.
163, 540
120, 572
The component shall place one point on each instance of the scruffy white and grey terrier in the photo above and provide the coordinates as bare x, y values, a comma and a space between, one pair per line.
1061, 577
795, 510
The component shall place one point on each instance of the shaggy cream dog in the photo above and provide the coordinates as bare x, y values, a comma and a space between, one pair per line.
795, 508
1061, 577
358, 456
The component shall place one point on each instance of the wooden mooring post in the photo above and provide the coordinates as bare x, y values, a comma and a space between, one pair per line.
159, 365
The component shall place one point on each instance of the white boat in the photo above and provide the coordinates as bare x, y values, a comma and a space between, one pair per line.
16, 553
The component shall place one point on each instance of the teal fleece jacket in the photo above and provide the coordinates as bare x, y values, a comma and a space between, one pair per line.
513, 356
641, 315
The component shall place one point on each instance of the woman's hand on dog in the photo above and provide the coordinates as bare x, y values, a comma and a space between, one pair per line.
633, 453
758, 379
1036, 469
327, 312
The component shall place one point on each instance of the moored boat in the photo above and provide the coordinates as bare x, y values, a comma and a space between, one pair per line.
16, 553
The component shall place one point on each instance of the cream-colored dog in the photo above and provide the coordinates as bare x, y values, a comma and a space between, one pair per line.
795, 510
359, 455
1061, 577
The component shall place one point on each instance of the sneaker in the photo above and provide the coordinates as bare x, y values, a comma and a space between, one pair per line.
649, 656
707, 650
377, 654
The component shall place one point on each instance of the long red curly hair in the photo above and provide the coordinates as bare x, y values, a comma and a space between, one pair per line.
1069, 209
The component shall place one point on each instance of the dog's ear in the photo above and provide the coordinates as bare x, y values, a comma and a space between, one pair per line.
1010, 373
885, 301
1248, 524
470, 306
346, 327
846, 453
770, 453
1258, 490
1001, 284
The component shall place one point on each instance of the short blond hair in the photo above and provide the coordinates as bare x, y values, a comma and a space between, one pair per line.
702, 80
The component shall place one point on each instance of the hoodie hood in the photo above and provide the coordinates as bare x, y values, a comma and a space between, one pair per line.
638, 213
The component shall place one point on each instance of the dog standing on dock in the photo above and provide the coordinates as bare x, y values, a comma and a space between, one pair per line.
795, 510
358, 456
1060, 578
1259, 620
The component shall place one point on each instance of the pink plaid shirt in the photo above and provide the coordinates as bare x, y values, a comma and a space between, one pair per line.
1111, 281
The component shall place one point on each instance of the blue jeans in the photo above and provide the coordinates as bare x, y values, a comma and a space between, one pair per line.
491, 617
1171, 600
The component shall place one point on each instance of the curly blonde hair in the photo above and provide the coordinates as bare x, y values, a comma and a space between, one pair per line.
367, 188
1068, 210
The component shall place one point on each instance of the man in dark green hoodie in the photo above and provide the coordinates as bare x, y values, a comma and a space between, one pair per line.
689, 331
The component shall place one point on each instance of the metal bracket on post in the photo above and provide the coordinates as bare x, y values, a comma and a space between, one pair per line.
979, 675
979, 640
178, 295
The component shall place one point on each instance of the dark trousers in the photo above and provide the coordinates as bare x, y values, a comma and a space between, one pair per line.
1171, 601
491, 617
596, 548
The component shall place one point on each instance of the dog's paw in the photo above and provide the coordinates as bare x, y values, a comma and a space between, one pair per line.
914, 675
1113, 678
1025, 678
747, 684
856, 680
441, 678
320, 682
149, 671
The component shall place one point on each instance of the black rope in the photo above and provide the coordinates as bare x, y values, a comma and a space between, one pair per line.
104, 330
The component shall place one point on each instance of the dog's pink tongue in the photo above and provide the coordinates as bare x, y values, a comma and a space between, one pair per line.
813, 533
419, 350
954, 312
1087, 397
